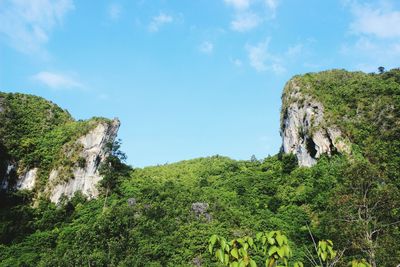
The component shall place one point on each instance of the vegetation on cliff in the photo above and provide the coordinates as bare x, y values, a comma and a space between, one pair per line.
35, 132
164, 215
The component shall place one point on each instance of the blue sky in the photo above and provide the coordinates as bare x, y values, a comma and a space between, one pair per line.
187, 78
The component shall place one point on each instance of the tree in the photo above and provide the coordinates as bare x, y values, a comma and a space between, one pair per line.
381, 70
113, 168
363, 209
272, 246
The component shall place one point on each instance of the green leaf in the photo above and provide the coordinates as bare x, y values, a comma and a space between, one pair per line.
259, 235
263, 240
288, 251
280, 239
322, 244
272, 250
234, 253
226, 256
213, 239
242, 252
250, 241
223, 243
234, 264
271, 240
323, 256
220, 255
210, 248
271, 234
253, 263
281, 252
270, 262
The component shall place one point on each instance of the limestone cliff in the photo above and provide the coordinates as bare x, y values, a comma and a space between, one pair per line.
43, 149
304, 130
85, 178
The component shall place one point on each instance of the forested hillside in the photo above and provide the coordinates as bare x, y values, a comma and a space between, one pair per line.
164, 215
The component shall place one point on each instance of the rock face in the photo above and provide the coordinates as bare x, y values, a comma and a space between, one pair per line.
304, 131
85, 178
200, 209
27, 180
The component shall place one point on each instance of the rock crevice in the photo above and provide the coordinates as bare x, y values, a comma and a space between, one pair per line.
85, 178
304, 130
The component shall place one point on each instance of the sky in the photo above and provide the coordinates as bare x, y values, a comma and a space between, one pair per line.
187, 78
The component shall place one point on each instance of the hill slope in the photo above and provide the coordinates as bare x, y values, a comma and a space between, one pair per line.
42, 148
345, 125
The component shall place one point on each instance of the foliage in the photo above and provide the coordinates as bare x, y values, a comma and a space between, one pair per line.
353, 201
272, 247
359, 263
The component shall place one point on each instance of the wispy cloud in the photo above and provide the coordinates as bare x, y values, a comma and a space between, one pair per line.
380, 21
236, 62
114, 11
375, 35
206, 47
262, 60
250, 14
56, 81
295, 50
272, 5
26, 25
245, 21
238, 4
158, 21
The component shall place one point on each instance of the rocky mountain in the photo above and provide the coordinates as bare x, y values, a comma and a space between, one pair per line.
337, 176
305, 131
341, 112
44, 150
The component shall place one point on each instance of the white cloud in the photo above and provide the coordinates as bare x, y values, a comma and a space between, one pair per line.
26, 25
294, 50
236, 62
158, 21
249, 14
381, 21
56, 80
245, 22
114, 11
375, 35
258, 55
261, 60
238, 4
206, 47
272, 4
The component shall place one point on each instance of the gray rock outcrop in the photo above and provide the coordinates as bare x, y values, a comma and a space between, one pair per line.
27, 180
85, 178
304, 130
200, 210
24, 181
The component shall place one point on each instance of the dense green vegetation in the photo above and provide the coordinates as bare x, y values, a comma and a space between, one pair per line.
164, 215
366, 107
34, 131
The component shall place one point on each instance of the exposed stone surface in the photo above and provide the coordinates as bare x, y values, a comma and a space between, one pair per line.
131, 201
200, 209
27, 180
85, 178
10, 168
303, 128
